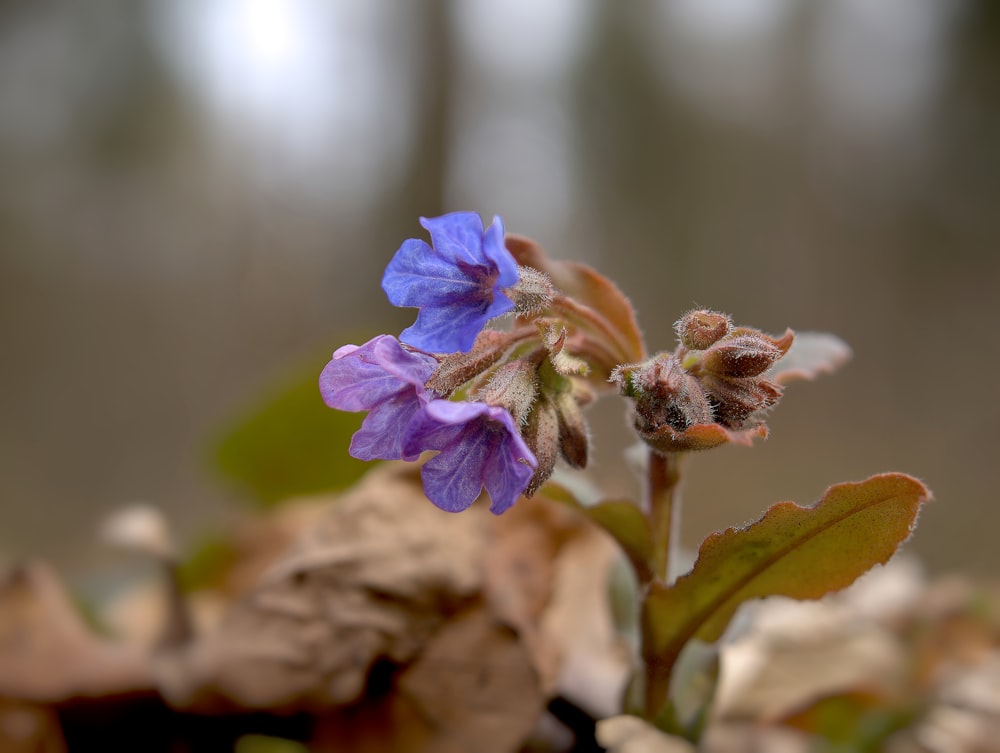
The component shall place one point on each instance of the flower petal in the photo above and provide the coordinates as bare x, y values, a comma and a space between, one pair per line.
354, 380
384, 432
417, 276
496, 251
406, 366
508, 472
453, 478
457, 237
446, 329
479, 446
439, 425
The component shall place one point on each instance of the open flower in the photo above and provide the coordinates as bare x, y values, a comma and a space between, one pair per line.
479, 446
457, 284
386, 380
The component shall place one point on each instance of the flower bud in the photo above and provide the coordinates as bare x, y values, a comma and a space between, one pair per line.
737, 400
699, 329
665, 394
573, 440
532, 293
541, 433
513, 386
745, 355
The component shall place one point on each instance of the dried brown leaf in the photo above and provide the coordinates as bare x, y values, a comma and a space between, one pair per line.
806, 652
593, 661
965, 717
47, 653
520, 568
473, 688
373, 579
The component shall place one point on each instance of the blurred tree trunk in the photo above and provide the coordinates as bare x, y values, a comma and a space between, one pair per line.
420, 191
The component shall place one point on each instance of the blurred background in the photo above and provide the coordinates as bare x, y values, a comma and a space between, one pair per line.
197, 198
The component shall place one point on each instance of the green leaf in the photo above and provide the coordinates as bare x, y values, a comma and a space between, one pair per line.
622, 519
290, 443
801, 552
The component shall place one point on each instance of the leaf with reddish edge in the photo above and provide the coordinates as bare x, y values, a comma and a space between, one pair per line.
811, 354
587, 286
622, 519
801, 552
700, 437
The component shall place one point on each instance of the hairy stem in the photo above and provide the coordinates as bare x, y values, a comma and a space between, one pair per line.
663, 507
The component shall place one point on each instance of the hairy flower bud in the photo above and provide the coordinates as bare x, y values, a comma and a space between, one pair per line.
737, 400
665, 394
699, 329
745, 355
513, 386
574, 442
532, 293
541, 434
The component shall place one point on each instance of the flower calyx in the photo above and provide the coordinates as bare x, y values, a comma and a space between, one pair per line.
533, 293
513, 386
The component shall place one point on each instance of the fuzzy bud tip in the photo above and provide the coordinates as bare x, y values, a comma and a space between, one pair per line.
532, 293
699, 329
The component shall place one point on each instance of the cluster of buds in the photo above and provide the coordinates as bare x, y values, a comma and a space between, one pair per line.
712, 389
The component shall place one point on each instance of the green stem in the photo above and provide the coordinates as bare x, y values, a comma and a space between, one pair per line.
663, 508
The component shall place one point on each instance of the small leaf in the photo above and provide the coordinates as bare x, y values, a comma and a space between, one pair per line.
290, 444
811, 354
622, 519
801, 552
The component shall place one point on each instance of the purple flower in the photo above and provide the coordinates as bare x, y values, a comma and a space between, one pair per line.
457, 285
480, 446
386, 380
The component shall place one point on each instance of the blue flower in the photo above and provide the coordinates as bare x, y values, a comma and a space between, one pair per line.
457, 284
479, 446
386, 380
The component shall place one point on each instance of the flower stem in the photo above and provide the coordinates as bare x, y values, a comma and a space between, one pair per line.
663, 508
